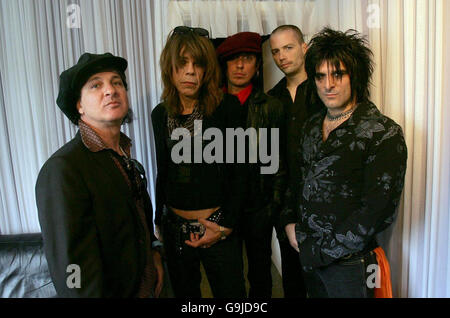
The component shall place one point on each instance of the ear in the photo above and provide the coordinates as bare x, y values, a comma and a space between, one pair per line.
304, 47
79, 107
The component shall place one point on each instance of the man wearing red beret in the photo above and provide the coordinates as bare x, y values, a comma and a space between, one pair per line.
240, 58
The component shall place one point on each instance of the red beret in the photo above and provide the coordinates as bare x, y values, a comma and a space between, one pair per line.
239, 42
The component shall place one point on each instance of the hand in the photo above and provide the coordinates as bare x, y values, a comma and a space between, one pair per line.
158, 233
210, 237
159, 273
290, 232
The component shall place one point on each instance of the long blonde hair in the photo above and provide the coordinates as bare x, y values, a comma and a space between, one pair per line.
204, 54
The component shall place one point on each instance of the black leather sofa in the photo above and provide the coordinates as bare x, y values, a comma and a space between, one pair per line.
23, 267
24, 271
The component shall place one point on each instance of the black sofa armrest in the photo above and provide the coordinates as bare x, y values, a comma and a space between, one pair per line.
23, 267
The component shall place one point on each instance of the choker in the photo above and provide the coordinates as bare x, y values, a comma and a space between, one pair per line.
342, 115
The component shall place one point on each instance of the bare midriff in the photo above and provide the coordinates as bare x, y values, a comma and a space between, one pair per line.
195, 214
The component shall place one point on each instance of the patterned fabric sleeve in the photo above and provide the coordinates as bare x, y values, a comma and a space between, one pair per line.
290, 213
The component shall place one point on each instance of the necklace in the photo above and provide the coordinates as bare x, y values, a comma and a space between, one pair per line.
341, 115
126, 159
335, 121
123, 152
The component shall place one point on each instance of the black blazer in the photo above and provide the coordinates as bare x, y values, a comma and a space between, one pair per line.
89, 218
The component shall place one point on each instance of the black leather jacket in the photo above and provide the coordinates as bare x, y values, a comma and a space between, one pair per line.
265, 111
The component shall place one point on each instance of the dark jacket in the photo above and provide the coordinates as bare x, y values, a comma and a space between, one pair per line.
89, 218
267, 112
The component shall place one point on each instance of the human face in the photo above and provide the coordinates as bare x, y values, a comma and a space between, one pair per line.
104, 100
240, 71
188, 78
287, 52
334, 87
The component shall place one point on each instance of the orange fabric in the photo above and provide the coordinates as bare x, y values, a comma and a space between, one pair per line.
385, 290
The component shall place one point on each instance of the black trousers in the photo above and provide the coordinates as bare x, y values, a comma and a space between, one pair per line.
222, 262
255, 229
345, 278
294, 285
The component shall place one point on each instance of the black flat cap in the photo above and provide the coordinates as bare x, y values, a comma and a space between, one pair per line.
72, 80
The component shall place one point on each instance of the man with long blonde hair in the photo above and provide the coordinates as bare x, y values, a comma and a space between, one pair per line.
196, 202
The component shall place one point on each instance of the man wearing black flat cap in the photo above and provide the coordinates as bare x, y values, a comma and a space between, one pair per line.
94, 208
241, 60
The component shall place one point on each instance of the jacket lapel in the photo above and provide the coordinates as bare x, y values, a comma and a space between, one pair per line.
102, 161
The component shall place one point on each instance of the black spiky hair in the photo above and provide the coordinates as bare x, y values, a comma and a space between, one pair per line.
350, 48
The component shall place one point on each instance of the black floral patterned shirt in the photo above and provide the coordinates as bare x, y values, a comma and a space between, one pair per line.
351, 184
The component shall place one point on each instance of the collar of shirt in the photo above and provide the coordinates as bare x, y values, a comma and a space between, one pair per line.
243, 94
94, 142
280, 91
364, 111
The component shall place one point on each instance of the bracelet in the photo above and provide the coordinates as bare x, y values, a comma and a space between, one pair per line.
223, 236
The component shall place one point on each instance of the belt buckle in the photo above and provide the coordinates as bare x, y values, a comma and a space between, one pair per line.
197, 228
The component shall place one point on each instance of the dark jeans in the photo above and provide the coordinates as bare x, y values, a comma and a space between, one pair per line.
255, 229
222, 262
293, 282
346, 278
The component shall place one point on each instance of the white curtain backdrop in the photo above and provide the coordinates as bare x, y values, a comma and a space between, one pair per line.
411, 44
40, 39
410, 41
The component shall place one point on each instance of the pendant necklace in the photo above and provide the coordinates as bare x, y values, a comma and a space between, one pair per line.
126, 159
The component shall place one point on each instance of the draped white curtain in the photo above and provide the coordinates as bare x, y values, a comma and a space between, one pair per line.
410, 41
40, 39
411, 44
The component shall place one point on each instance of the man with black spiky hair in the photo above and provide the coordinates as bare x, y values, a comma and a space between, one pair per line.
353, 162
